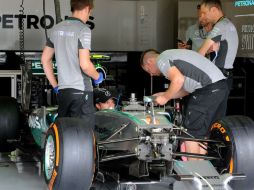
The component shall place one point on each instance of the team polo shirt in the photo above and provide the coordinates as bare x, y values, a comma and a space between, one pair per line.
67, 38
198, 71
225, 32
197, 35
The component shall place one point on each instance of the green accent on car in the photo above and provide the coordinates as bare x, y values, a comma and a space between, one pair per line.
37, 135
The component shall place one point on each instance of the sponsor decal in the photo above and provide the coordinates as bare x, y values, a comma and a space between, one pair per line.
247, 37
37, 68
209, 177
8, 21
34, 122
220, 127
222, 130
244, 3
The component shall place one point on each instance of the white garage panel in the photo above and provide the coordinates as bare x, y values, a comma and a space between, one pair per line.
117, 25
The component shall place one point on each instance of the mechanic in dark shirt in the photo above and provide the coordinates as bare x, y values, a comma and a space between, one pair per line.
190, 74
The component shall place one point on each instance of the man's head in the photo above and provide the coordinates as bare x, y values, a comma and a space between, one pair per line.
82, 6
77, 5
202, 21
211, 11
148, 62
103, 99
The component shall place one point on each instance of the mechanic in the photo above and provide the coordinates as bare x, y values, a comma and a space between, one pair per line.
190, 74
195, 34
224, 34
103, 99
70, 41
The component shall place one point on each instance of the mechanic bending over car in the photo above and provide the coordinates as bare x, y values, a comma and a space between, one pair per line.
223, 33
70, 41
103, 99
194, 75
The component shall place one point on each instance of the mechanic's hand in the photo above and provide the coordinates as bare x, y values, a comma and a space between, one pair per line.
161, 100
215, 47
183, 45
55, 90
100, 79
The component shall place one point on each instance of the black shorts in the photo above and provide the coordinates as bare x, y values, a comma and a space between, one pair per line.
205, 106
77, 103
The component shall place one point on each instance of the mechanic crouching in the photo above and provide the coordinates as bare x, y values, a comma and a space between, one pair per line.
194, 75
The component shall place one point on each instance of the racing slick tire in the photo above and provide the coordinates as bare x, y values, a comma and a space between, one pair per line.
9, 122
237, 132
69, 155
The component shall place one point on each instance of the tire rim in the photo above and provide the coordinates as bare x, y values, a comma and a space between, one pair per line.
50, 156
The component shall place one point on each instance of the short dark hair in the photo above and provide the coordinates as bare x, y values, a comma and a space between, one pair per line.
77, 5
212, 3
145, 52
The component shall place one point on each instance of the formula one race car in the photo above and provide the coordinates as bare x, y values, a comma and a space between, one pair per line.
135, 148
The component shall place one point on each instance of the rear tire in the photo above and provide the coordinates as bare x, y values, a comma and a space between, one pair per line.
69, 155
238, 134
9, 122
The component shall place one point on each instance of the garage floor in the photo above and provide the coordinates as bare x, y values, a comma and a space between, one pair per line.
21, 171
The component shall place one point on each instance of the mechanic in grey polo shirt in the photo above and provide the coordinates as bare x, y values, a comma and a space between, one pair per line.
70, 41
224, 34
190, 74
196, 33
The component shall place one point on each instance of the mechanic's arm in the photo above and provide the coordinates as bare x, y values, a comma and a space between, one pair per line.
206, 46
86, 64
46, 60
175, 87
181, 94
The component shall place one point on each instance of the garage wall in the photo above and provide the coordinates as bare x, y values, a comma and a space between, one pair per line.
118, 25
128, 25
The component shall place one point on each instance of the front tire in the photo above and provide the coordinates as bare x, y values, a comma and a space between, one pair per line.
237, 132
69, 155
